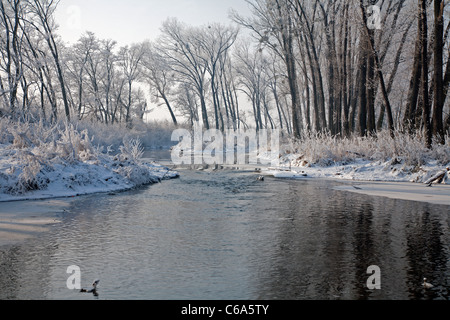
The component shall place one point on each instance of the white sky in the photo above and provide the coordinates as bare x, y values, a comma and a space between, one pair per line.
130, 21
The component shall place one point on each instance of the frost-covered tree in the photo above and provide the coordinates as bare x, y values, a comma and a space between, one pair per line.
130, 58
160, 77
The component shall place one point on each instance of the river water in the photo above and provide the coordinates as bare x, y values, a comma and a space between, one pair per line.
224, 235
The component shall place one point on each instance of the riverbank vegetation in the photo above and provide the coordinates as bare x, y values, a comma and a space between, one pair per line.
41, 161
342, 80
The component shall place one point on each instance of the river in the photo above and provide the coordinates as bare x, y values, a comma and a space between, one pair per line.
223, 235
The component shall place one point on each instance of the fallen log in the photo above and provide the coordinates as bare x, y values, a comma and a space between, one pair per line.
437, 178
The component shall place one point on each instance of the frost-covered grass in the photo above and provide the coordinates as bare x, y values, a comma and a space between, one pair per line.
154, 135
324, 149
381, 158
38, 160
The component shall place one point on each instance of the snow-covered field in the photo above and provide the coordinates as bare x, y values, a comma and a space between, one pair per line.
40, 162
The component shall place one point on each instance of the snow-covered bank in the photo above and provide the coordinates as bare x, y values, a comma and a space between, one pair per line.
360, 170
80, 178
380, 158
388, 179
41, 162
398, 168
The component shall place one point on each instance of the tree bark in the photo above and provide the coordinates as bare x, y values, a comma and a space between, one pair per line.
424, 76
438, 127
379, 71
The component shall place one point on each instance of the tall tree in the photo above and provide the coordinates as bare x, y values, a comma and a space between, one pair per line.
160, 77
130, 60
438, 81
180, 45
378, 66
424, 76
44, 13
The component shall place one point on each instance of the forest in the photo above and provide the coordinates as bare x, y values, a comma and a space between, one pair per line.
341, 68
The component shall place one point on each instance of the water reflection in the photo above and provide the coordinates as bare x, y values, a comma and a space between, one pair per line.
224, 235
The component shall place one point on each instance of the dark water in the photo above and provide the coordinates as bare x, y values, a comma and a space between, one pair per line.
224, 235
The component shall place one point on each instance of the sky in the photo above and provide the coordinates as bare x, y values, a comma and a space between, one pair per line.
131, 21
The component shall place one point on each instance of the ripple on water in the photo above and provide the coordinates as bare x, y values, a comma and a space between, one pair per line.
223, 235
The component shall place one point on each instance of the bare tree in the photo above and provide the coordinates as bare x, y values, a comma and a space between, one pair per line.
438, 81
44, 13
273, 26
215, 41
159, 76
130, 60
10, 19
181, 46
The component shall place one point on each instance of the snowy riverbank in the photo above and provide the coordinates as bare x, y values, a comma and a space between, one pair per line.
359, 170
402, 159
39, 162
393, 178
59, 178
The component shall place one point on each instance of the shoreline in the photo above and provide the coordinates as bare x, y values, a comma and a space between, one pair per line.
438, 194
375, 179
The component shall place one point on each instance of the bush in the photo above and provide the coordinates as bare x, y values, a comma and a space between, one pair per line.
30, 152
324, 149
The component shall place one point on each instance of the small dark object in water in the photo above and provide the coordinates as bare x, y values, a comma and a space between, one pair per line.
93, 290
261, 178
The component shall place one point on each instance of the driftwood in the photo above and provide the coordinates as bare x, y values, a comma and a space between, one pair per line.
437, 178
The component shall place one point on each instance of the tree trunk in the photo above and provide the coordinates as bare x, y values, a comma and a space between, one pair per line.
424, 78
362, 112
371, 129
379, 72
413, 94
392, 76
438, 127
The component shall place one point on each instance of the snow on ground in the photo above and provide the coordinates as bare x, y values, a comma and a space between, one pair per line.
381, 158
438, 194
58, 178
392, 179
359, 170
40, 162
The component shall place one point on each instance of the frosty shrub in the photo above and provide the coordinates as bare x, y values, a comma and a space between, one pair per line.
154, 135
30, 178
131, 149
73, 145
35, 147
324, 149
